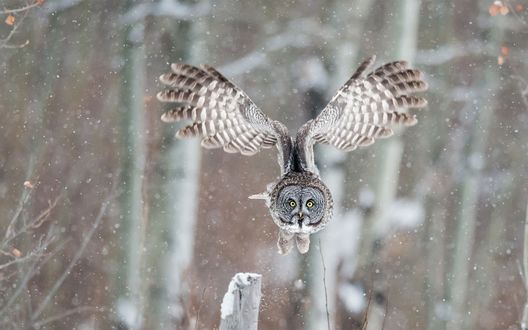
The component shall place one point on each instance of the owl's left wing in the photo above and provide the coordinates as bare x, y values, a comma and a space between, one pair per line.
221, 113
365, 108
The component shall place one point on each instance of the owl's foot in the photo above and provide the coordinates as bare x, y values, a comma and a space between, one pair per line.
285, 242
303, 243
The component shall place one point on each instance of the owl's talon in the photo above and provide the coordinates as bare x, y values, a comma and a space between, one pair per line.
303, 243
285, 242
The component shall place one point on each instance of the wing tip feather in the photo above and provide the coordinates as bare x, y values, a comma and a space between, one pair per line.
159, 96
168, 118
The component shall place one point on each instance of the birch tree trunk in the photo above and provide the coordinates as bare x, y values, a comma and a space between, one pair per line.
322, 282
132, 229
404, 32
179, 188
467, 214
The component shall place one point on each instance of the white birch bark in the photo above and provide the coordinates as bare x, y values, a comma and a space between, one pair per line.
133, 156
334, 175
390, 157
465, 233
183, 158
182, 162
240, 306
467, 214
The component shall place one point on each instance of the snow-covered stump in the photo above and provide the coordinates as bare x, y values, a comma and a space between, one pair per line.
240, 306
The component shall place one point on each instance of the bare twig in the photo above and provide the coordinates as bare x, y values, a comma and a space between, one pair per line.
16, 260
44, 215
365, 317
64, 314
21, 9
21, 287
37, 222
4, 42
324, 283
28, 274
512, 10
26, 193
22, 45
72, 263
201, 305
20, 13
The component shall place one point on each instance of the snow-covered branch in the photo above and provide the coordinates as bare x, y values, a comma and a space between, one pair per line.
169, 8
20, 9
450, 52
299, 33
60, 5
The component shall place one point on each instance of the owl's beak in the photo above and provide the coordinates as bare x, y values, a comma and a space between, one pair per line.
300, 220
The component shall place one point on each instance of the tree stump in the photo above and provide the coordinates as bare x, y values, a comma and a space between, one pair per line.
240, 306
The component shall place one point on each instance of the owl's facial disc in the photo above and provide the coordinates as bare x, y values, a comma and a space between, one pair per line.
300, 208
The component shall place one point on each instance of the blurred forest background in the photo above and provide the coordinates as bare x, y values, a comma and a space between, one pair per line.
108, 222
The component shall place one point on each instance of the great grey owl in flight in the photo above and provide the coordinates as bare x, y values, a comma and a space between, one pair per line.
363, 109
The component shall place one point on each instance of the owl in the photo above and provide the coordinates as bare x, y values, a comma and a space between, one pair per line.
223, 116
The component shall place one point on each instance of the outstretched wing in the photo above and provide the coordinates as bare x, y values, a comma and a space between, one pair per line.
365, 108
221, 113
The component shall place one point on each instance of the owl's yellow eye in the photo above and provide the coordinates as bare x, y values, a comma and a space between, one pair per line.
310, 204
292, 203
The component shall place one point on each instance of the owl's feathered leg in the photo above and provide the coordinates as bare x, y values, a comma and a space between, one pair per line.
285, 242
303, 242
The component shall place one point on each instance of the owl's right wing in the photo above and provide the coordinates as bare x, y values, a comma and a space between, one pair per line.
365, 108
221, 113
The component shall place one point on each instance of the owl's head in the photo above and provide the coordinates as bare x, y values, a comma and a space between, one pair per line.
300, 204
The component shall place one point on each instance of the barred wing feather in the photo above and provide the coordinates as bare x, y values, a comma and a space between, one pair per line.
222, 114
366, 107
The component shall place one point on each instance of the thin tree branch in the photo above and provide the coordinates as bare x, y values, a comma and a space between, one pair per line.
21, 9
19, 260
512, 10
21, 287
18, 22
72, 263
37, 222
365, 317
201, 305
64, 314
324, 283
26, 193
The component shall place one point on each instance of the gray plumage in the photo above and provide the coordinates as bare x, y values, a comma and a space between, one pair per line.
363, 109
